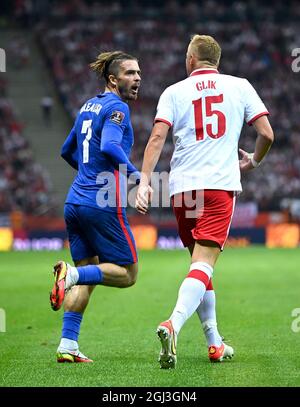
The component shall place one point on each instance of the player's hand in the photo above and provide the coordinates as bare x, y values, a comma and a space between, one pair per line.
143, 198
245, 162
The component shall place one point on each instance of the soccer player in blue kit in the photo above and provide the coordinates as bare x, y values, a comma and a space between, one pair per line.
101, 242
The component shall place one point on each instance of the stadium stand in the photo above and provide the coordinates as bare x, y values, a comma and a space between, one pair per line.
24, 184
259, 52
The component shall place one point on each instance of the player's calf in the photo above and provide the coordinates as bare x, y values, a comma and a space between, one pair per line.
119, 276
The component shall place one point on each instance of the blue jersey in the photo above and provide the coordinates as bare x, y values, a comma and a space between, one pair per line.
100, 141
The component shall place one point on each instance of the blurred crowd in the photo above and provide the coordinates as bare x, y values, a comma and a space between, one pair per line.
257, 40
24, 184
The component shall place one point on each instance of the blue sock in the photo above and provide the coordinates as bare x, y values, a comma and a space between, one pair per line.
89, 275
71, 325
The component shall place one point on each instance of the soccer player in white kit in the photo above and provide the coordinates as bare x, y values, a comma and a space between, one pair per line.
206, 112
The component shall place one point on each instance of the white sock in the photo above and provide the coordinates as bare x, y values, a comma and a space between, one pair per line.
67, 344
190, 294
207, 315
72, 276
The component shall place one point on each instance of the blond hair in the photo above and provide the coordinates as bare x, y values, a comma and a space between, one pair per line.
108, 63
206, 49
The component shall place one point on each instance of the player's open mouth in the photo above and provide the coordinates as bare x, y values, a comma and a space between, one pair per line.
135, 89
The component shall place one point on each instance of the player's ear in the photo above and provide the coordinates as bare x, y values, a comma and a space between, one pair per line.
189, 63
193, 59
113, 80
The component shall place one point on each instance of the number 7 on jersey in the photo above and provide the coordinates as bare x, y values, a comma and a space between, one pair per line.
198, 110
86, 129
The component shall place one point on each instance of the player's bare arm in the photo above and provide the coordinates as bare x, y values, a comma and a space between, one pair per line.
263, 144
151, 156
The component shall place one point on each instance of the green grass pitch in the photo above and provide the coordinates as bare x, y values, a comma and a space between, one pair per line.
257, 289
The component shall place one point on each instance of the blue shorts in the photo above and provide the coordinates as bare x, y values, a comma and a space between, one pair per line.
95, 232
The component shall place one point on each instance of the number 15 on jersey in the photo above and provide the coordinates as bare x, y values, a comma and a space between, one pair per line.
210, 111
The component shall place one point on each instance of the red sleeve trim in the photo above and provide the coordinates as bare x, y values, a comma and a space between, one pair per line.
157, 119
257, 116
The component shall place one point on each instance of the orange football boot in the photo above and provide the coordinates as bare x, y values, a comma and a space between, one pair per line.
67, 356
57, 294
219, 353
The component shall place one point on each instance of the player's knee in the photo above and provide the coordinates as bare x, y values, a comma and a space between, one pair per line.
131, 277
129, 281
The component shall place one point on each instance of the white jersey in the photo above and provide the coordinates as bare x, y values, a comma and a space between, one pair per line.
207, 111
